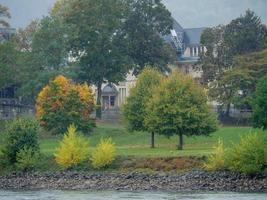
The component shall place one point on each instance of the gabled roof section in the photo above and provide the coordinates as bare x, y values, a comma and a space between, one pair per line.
109, 89
176, 26
193, 35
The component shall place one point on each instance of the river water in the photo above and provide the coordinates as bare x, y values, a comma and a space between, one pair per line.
110, 195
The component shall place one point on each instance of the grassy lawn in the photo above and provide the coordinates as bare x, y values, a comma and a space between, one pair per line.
137, 143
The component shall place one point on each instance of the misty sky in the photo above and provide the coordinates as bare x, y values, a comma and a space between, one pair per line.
189, 13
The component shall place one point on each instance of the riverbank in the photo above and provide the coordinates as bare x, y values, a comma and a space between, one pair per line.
196, 180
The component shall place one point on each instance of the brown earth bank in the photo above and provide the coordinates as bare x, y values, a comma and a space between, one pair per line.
165, 164
196, 180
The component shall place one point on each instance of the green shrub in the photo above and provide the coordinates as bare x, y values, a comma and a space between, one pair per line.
27, 159
216, 161
19, 134
73, 149
249, 156
104, 154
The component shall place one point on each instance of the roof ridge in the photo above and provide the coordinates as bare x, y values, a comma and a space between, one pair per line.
195, 28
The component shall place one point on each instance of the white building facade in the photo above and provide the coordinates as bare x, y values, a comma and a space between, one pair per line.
114, 96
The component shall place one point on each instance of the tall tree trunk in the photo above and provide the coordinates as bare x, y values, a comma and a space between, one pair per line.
181, 142
152, 140
98, 101
227, 113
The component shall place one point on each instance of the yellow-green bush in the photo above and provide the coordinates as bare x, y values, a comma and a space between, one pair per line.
250, 155
73, 149
104, 154
216, 161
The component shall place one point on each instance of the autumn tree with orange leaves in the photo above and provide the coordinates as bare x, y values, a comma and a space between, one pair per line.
62, 102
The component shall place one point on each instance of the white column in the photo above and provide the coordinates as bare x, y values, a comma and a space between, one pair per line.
196, 50
108, 101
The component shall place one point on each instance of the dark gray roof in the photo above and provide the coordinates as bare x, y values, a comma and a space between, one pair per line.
193, 35
189, 36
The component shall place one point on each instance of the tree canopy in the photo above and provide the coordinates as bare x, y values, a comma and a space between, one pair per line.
242, 35
234, 60
107, 38
4, 13
179, 107
135, 108
245, 34
62, 102
95, 40
145, 22
9, 64
217, 58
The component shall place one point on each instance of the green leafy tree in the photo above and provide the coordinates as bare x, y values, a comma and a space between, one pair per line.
96, 41
33, 56
4, 13
234, 60
16, 62
230, 88
107, 38
255, 63
26, 71
259, 104
245, 34
146, 21
236, 86
217, 58
135, 108
44, 56
49, 44
9, 73
179, 107
24, 37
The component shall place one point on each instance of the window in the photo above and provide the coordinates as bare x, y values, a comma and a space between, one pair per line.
8, 92
191, 51
195, 50
112, 101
